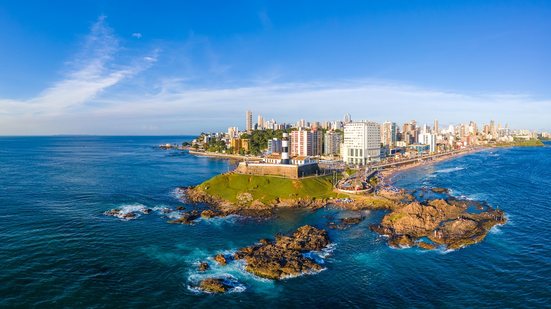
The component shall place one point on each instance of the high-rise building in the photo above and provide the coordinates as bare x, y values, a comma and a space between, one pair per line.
436, 127
362, 142
409, 132
389, 134
306, 143
332, 143
249, 121
260, 122
427, 138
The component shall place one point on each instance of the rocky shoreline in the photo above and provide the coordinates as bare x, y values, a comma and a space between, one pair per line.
284, 257
438, 222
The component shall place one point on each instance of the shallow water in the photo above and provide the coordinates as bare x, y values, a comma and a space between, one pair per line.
58, 249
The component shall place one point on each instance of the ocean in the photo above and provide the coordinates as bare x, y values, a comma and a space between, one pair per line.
57, 249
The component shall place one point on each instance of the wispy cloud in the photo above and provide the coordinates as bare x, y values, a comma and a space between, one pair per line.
90, 72
137, 35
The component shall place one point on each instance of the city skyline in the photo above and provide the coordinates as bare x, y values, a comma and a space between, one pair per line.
97, 70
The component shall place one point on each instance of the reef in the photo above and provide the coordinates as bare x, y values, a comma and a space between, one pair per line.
450, 223
283, 257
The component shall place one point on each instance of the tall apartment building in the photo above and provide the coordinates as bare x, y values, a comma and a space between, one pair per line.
362, 142
260, 122
409, 133
249, 121
427, 138
332, 143
305, 143
389, 132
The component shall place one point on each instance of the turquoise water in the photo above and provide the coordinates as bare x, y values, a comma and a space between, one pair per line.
58, 249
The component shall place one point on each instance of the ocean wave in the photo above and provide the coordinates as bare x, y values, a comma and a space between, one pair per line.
128, 211
450, 170
221, 220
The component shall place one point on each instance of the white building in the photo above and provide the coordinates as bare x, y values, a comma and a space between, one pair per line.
426, 138
362, 142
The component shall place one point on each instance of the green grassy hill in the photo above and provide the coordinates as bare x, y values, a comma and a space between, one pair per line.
266, 188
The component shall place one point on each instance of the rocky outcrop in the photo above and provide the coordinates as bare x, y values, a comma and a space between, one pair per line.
446, 224
285, 256
221, 259
186, 218
214, 285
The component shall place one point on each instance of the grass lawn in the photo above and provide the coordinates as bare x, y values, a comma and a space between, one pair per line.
266, 188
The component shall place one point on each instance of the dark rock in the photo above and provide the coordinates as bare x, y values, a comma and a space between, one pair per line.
203, 266
180, 208
186, 218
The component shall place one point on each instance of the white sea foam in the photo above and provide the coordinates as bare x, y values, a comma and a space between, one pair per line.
450, 170
123, 211
221, 220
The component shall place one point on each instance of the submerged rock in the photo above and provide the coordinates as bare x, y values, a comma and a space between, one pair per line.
440, 190
345, 223
285, 256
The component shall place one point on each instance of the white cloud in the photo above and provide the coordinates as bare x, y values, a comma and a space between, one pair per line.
137, 35
90, 73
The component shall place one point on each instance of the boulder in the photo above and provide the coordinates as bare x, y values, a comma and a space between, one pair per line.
221, 259
214, 285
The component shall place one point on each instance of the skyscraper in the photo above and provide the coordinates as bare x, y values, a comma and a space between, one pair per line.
260, 122
436, 128
389, 134
249, 121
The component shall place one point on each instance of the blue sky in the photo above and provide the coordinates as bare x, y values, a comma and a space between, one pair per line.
174, 67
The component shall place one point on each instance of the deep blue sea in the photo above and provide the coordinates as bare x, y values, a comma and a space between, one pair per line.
57, 249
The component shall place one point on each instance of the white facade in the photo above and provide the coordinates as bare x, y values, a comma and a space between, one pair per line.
428, 139
362, 142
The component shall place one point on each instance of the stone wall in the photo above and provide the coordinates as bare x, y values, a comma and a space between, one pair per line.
285, 170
